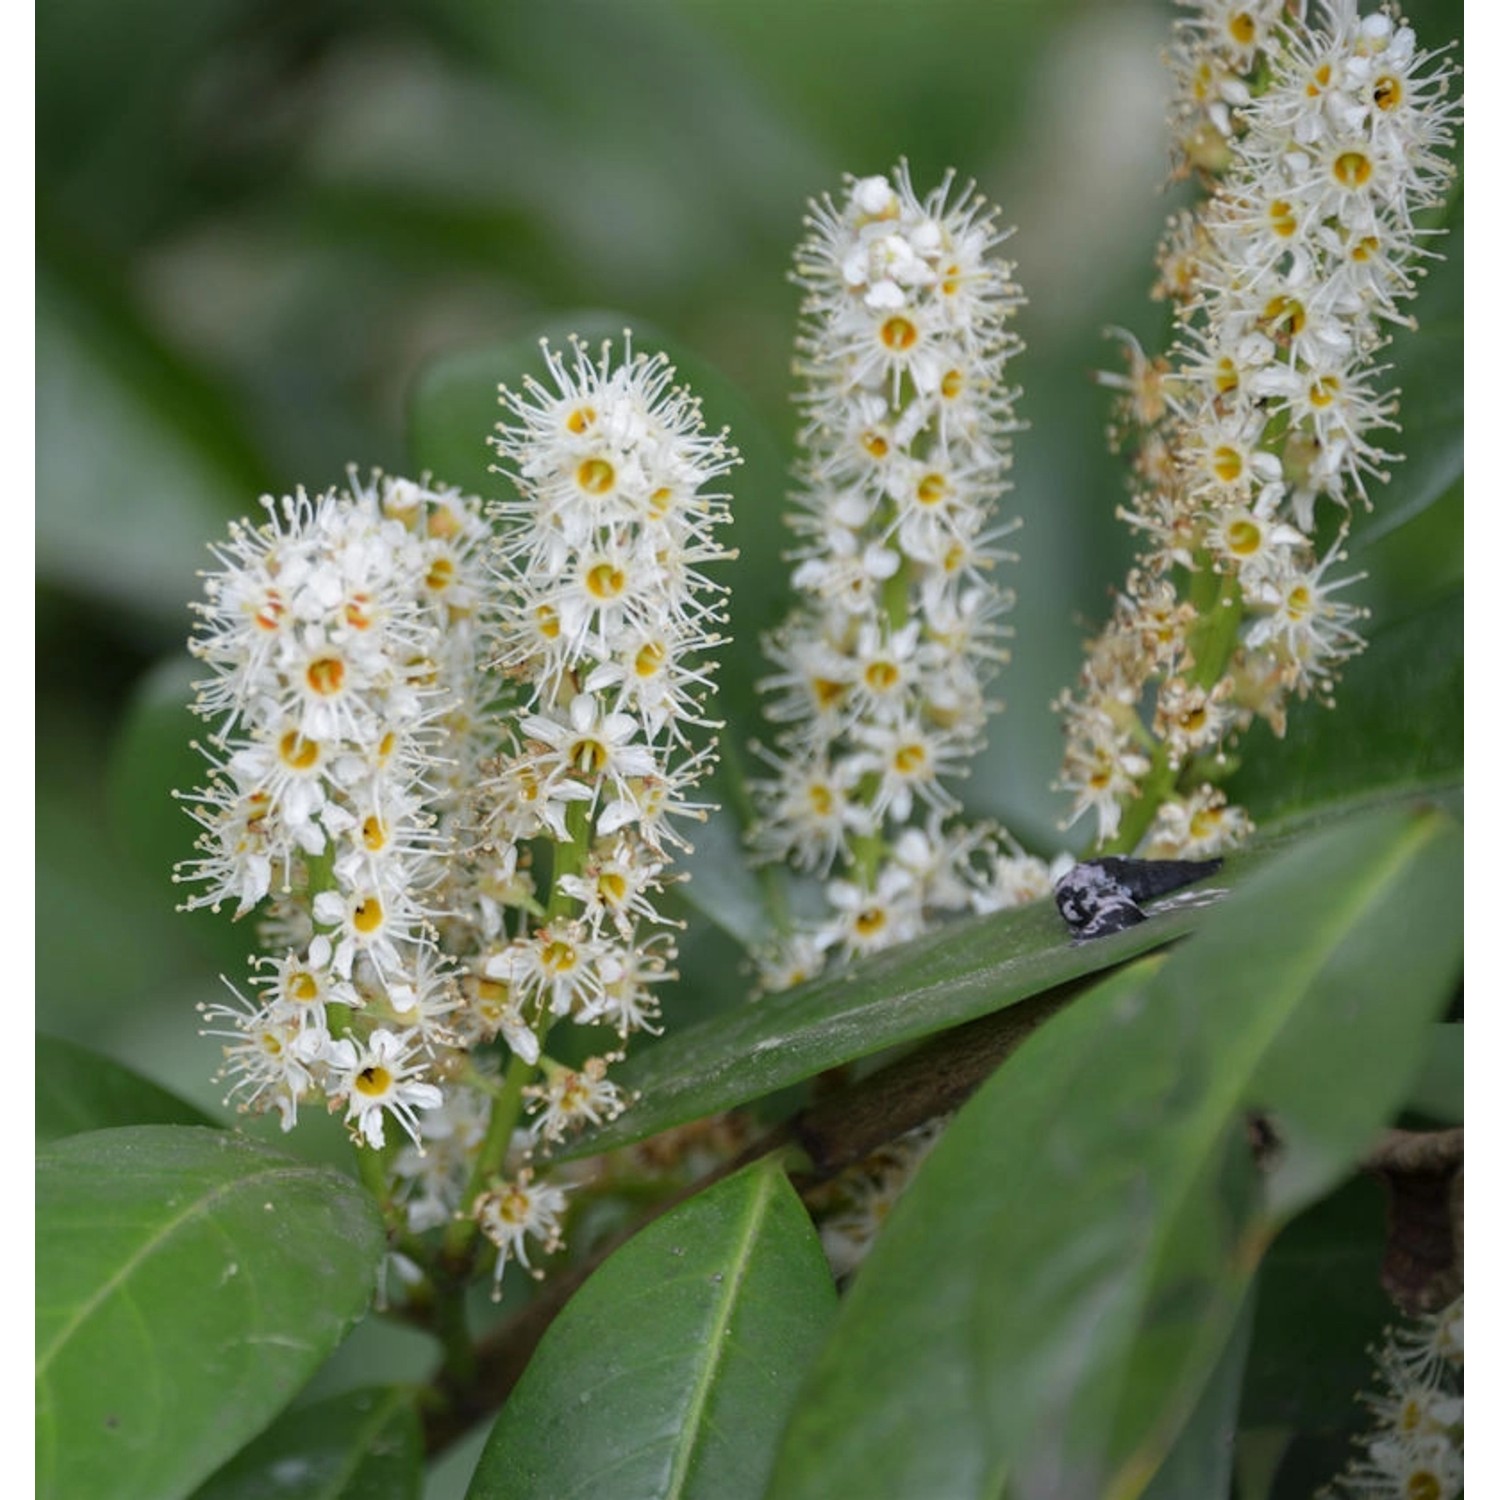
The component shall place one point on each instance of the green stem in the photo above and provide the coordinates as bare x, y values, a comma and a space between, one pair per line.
1156, 786
505, 1109
490, 1162
1216, 632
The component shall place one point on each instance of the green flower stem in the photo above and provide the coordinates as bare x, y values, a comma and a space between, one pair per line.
1157, 784
505, 1110
895, 594
1217, 631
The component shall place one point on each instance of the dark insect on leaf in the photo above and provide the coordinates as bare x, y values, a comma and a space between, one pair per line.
1100, 896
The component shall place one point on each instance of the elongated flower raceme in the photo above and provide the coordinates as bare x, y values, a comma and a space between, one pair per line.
339, 639
1320, 145
602, 647
880, 671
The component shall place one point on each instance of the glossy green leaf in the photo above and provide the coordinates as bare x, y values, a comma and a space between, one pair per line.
363, 1445
1398, 724
962, 970
79, 1090
673, 1370
188, 1283
1064, 1272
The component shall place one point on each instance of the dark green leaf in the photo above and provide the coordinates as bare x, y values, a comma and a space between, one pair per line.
1438, 1090
79, 1090
1319, 1306
963, 970
1066, 1268
188, 1282
1201, 1463
674, 1369
363, 1445
1399, 723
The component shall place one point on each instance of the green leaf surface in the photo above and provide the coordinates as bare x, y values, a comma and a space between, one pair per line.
1066, 1269
673, 1370
188, 1283
78, 1090
362, 1445
1398, 724
962, 970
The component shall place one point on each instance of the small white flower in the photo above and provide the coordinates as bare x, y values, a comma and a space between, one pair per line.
376, 1078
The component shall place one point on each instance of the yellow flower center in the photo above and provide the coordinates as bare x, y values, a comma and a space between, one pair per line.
369, 916
302, 988
1243, 537
595, 476
909, 759
325, 676
605, 581
373, 1082
1228, 463
1352, 169
932, 489
297, 753
898, 333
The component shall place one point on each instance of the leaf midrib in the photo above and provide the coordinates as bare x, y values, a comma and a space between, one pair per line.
149, 1246
686, 1449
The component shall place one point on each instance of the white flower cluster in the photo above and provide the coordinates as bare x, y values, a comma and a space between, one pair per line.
1417, 1447
604, 627
340, 638
1326, 142
881, 668
447, 770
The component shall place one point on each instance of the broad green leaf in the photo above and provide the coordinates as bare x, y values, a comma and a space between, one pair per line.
363, 1445
962, 970
78, 1090
1398, 724
673, 1370
188, 1283
1065, 1270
